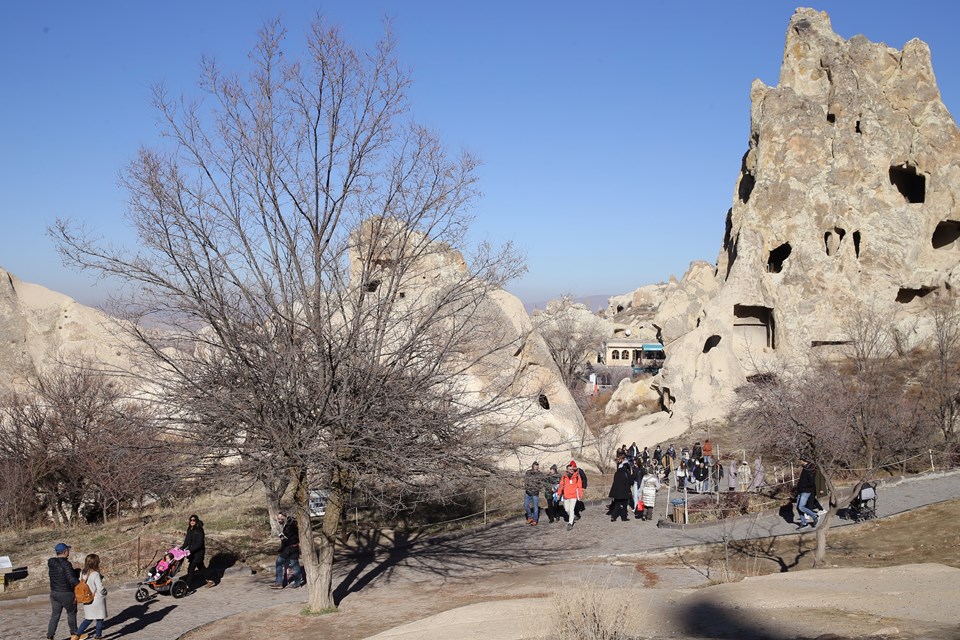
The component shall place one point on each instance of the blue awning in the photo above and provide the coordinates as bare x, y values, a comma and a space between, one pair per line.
653, 347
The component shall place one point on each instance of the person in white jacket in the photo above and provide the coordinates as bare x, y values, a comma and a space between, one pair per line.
96, 611
648, 493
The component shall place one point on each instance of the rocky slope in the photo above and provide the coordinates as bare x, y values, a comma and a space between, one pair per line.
846, 200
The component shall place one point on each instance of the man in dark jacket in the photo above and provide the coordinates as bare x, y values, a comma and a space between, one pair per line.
63, 578
806, 486
289, 555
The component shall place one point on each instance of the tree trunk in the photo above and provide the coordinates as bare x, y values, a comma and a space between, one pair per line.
318, 559
275, 488
820, 556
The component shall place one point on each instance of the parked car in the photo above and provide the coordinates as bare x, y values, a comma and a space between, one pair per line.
318, 504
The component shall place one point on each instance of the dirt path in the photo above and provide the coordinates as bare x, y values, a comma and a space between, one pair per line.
386, 588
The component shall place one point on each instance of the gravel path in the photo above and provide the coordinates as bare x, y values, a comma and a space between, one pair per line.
496, 549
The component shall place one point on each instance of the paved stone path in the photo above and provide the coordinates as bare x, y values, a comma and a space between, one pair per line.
499, 548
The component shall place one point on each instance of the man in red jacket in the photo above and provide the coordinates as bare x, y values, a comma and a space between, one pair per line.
571, 490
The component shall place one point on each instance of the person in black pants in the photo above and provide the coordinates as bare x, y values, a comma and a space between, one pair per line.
620, 489
195, 542
63, 578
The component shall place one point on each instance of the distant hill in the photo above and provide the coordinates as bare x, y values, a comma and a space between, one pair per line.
592, 302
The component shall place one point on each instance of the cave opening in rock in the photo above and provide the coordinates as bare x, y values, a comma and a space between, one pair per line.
831, 118
711, 342
911, 185
906, 295
777, 256
832, 240
544, 402
747, 182
857, 127
753, 326
856, 244
946, 234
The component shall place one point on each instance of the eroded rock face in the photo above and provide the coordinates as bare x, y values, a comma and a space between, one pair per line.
846, 199
40, 328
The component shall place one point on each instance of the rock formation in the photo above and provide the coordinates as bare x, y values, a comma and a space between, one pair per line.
40, 328
846, 199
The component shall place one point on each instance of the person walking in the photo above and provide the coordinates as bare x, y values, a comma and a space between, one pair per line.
570, 491
533, 481
708, 452
195, 542
620, 489
551, 484
96, 611
806, 486
289, 555
648, 493
63, 578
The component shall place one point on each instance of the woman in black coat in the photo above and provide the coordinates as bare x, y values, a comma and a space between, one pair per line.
620, 490
195, 542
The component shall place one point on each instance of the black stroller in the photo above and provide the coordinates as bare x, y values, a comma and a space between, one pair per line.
864, 504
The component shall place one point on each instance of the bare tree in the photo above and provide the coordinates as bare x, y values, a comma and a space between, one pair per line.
572, 334
77, 440
940, 369
300, 242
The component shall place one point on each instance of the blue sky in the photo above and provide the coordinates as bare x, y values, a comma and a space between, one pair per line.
611, 133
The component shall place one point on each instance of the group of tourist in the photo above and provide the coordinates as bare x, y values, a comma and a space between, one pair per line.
65, 578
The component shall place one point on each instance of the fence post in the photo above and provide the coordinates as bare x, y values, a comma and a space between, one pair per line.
686, 513
484, 506
138, 556
932, 468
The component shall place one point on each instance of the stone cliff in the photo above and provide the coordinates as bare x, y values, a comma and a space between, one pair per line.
846, 198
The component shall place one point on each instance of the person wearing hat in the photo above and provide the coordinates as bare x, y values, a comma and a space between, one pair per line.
63, 578
570, 491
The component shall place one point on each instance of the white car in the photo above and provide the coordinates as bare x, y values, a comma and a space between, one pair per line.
318, 504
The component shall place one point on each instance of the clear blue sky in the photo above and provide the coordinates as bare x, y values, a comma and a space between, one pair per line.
611, 132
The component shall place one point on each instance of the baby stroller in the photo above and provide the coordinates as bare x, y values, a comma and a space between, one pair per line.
864, 504
163, 579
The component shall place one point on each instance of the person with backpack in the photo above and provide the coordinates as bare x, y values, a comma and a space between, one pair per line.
620, 489
570, 492
96, 610
63, 578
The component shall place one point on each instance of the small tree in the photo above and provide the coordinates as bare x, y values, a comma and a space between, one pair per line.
572, 334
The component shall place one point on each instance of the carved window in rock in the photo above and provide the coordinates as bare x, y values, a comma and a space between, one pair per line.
710, 343
753, 327
906, 295
856, 244
777, 256
544, 401
911, 184
946, 234
833, 239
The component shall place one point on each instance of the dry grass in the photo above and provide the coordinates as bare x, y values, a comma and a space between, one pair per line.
920, 536
235, 523
590, 612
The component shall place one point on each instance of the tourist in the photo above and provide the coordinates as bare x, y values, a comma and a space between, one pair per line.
658, 455
289, 555
681, 475
194, 541
583, 486
96, 611
620, 489
672, 452
550, 486
63, 578
533, 481
744, 476
633, 451
570, 492
697, 453
708, 451
645, 456
701, 476
732, 475
806, 486
716, 475
648, 493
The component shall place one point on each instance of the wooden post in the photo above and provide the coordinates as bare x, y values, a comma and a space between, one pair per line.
686, 513
666, 514
932, 468
138, 556
484, 505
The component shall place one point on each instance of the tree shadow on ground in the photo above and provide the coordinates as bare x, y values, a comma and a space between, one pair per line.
138, 617
219, 564
704, 619
767, 549
440, 558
